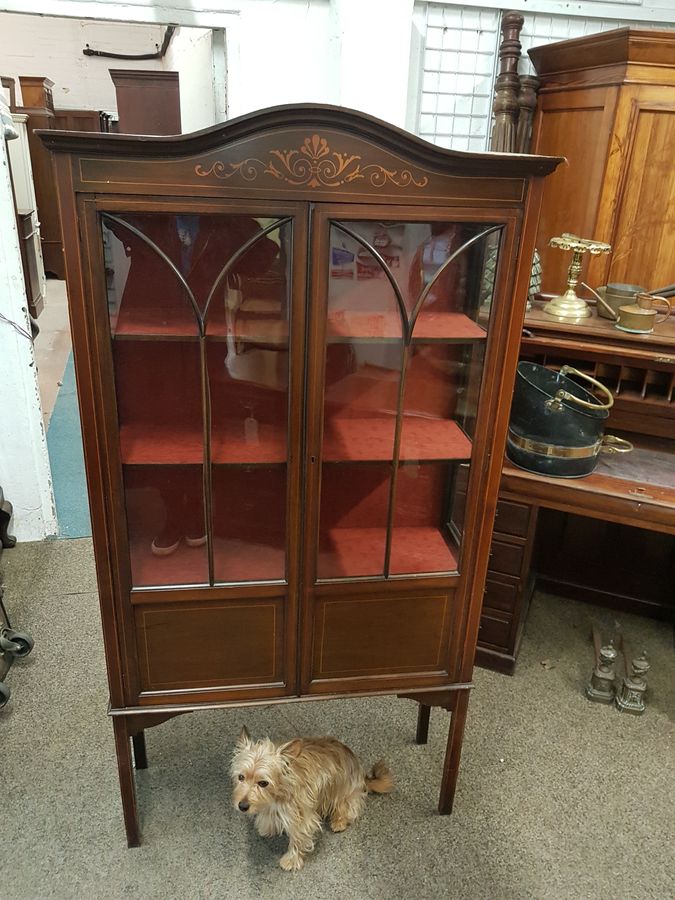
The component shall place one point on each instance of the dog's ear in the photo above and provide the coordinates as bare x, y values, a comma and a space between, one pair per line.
292, 749
244, 739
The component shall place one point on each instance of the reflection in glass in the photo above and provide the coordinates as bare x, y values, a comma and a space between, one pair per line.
199, 309
165, 524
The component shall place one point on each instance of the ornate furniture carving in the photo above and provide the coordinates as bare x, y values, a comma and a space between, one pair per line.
506, 106
309, 463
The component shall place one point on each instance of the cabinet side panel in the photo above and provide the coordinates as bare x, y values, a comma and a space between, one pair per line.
576, 123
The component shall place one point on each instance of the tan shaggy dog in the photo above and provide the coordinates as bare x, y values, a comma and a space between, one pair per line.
291, 788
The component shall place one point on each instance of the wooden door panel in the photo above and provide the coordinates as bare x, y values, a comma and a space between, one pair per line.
189, 646
361, 637
644, 233
576, 124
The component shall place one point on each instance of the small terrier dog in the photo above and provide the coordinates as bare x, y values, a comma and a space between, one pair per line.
292, 787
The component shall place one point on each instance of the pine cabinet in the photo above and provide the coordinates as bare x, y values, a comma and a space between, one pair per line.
295, 338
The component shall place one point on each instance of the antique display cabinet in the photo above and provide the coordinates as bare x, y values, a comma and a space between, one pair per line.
295, 337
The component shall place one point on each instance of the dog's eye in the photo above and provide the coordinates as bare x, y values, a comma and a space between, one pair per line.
241, 778
263, 783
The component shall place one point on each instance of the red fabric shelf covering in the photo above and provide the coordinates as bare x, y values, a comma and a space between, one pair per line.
153, 322
162, 445
443, 326
233, 561
369, 440
351, 552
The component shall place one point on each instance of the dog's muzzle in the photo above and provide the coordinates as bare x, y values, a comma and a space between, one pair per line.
243, 805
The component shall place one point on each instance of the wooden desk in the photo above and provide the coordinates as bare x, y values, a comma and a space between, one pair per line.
614, 492
608, 537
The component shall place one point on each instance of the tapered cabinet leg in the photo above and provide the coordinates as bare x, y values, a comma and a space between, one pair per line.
140, 756
453, 752
126, 776
422, 734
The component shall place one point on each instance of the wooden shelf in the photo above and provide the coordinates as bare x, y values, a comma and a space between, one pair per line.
351, 552
347, 326
372, 440
345, 440
160, 324
143, 445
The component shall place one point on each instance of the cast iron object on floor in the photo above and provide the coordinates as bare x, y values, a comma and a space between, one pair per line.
556, 426
600, 688
631, 697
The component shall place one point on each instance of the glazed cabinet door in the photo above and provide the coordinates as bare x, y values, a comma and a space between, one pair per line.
399, 322
204, 336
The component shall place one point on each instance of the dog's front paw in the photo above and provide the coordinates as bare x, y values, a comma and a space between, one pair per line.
291, 861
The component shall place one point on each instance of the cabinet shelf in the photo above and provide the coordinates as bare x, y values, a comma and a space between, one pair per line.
143, 445
344, 326
157, 324
347, 326
345, 440
360, 552
372, 440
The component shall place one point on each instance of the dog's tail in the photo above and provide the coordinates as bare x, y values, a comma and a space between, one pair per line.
379, 780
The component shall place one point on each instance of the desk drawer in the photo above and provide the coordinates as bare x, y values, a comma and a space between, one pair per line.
506, 559
512, 518
496, 632
501, 592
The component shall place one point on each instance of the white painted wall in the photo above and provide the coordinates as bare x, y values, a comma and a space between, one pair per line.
281, 52
190, 54
32, 45
374, 53
24, 464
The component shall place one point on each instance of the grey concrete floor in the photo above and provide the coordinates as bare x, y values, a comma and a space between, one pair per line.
557, 798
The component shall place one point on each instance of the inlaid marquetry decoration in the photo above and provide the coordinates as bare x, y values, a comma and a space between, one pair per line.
313, 165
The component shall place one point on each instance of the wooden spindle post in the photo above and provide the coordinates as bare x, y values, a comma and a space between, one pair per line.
527, 103
507, 85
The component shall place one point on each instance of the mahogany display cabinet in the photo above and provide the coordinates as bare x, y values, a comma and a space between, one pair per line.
295, 338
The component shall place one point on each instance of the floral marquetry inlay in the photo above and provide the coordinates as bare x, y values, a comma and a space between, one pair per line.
313, 165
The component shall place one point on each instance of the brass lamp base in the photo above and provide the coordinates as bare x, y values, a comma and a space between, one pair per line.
567, 308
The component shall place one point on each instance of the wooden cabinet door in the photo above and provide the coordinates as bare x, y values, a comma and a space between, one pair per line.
639, 196
201, 328
576, 123
400, 312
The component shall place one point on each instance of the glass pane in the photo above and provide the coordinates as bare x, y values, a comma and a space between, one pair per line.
248, 364
159, 415
165, 520
362, 377
353, 526
199, 311
407, 315
249, 523
421, 542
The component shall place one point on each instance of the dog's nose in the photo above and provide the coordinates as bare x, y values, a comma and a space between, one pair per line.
243, 805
